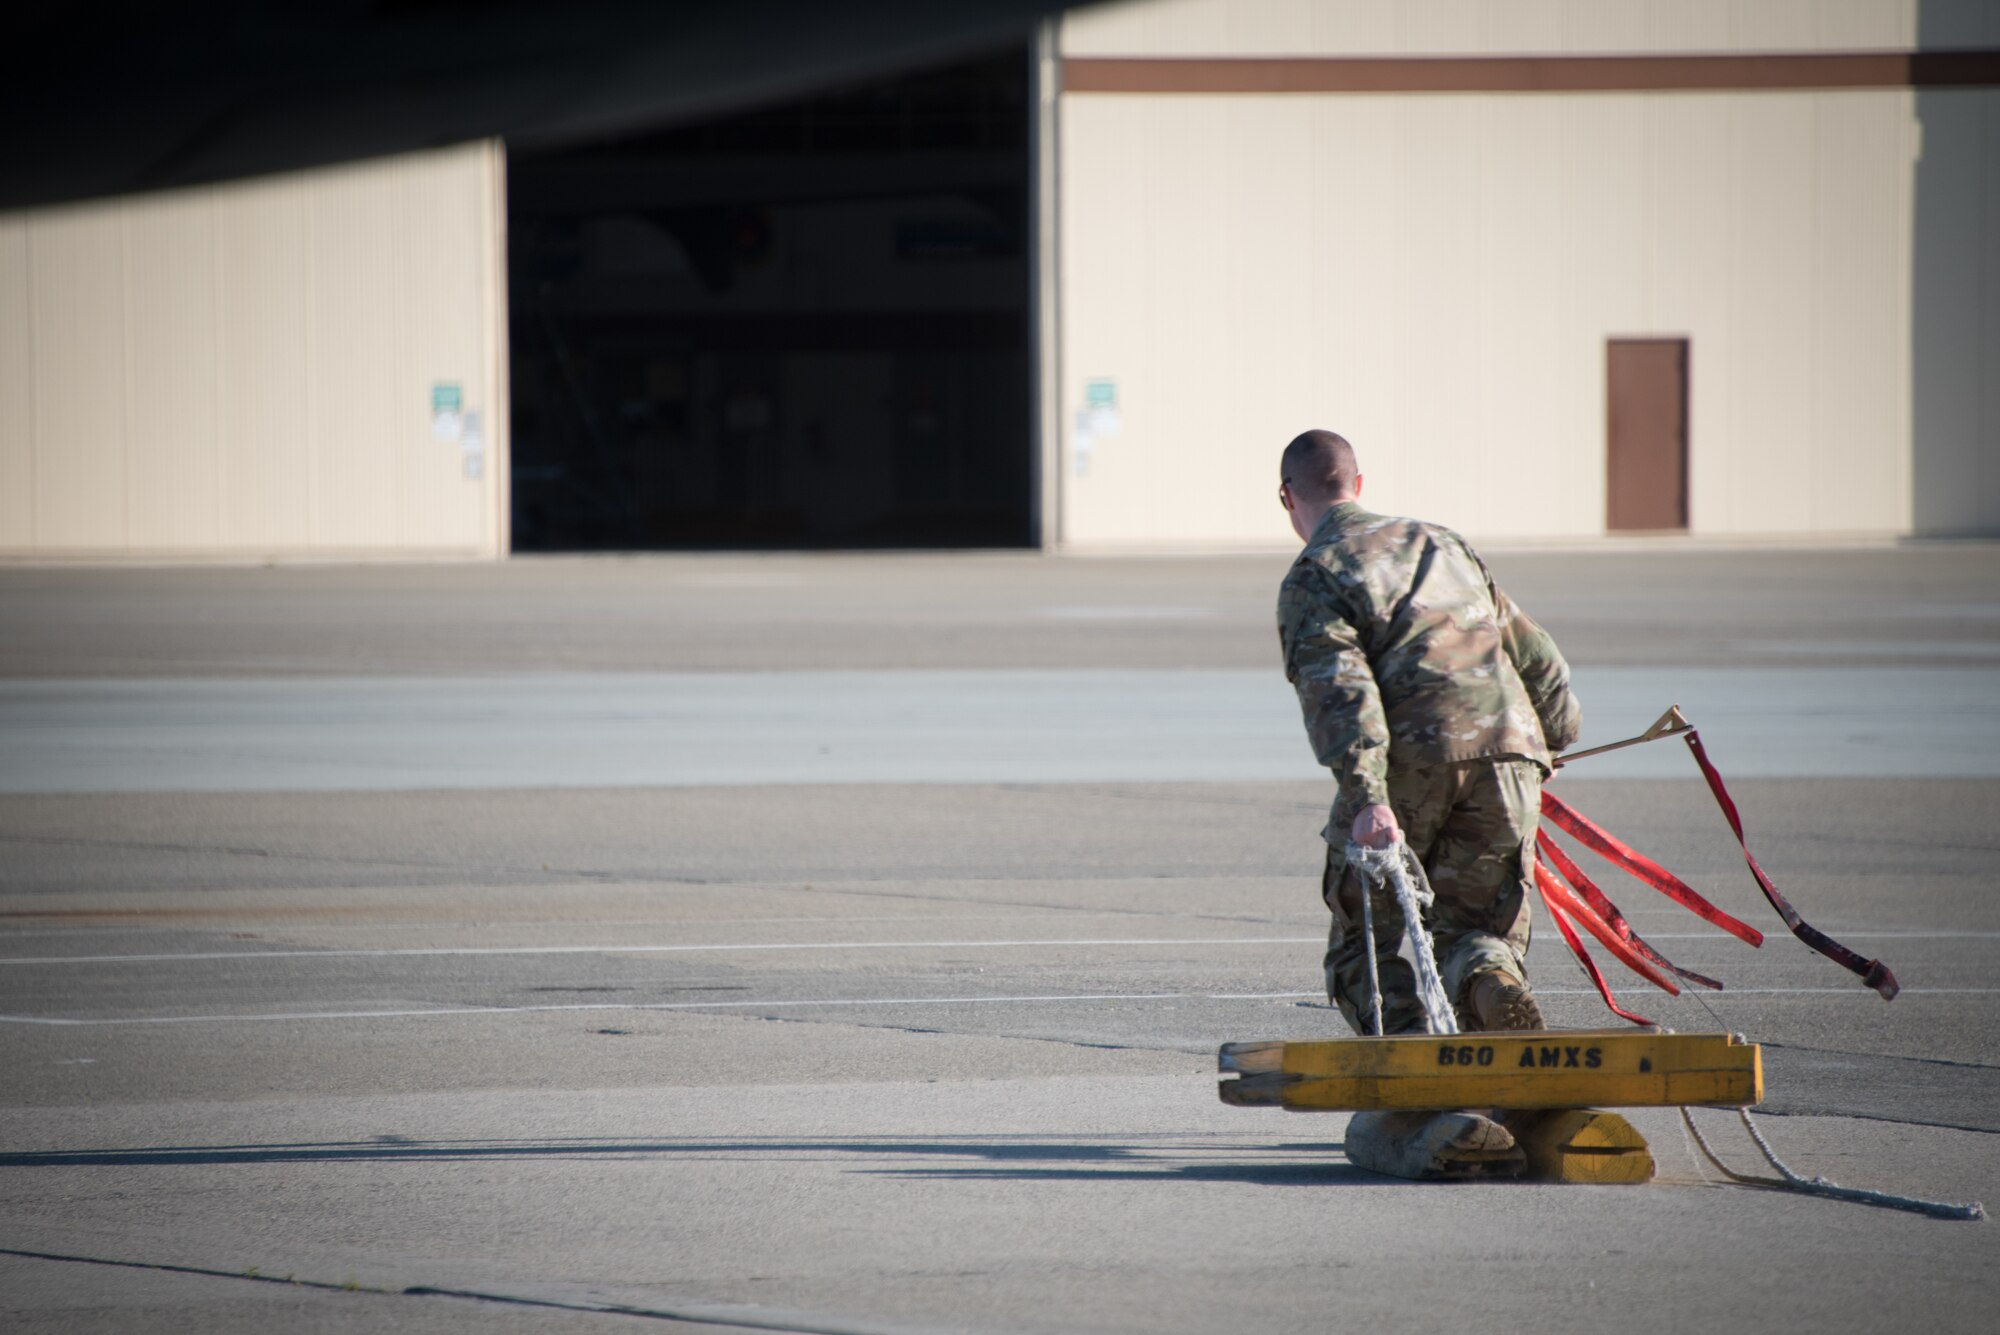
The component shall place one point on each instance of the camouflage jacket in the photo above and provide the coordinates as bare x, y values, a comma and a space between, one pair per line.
1405, 653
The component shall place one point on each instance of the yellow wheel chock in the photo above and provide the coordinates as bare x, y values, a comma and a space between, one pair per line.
1535, 1091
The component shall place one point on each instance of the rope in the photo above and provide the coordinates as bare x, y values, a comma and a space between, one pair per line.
1368, 934
1397, 868
1819, 1186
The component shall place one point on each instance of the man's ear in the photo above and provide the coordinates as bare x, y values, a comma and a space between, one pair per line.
1359, 478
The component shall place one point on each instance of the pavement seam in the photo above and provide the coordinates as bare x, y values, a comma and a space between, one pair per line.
696, 1315
1885, 1056
957, 1033
164, 1267
1764, 1110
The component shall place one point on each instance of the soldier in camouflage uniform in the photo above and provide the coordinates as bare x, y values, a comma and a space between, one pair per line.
1437, 705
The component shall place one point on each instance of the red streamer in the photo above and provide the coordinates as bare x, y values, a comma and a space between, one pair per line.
1554, 891
1609, 846
1872, 972
1542, 878
1600, 904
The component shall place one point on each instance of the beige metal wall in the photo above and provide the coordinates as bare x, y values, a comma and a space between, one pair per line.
245, 371
1436, 275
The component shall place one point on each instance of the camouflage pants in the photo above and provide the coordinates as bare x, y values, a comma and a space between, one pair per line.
1472, 826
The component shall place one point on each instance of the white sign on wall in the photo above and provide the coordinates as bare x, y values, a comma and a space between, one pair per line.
447, 420
1096, 422
472, 447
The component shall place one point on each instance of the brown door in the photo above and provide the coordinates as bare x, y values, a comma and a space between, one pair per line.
1646, 469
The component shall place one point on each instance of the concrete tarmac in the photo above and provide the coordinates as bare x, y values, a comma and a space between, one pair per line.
494, 948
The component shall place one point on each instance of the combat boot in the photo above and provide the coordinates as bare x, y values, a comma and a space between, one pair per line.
1499, 1000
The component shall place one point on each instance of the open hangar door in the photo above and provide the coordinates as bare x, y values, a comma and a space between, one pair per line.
806, 326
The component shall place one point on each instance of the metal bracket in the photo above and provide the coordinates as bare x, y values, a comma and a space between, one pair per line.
1667, 725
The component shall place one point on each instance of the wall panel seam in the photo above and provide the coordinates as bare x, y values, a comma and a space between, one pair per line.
500, 409
217, 385
34, 394
1815, 337
314, 428
1050, 483
126, 480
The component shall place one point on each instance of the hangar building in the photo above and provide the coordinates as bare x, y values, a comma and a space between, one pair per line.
1560, 270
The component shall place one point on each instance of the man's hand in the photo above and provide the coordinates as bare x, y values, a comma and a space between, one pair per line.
1375, 827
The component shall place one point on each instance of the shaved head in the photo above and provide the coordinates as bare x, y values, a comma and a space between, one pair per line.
1319, 467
